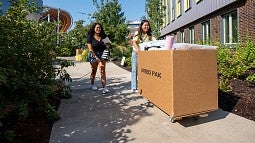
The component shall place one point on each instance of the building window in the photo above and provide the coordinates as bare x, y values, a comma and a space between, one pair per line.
172, 10
191, 35
206, 32
197, 1
167, 10
230, 29
182, 36
178, 8
175, 37
186, 5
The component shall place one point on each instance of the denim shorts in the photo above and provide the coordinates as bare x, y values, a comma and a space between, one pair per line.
98, 54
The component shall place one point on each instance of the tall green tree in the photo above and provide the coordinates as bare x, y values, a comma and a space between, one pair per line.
78, 34
154, 11
109, 14
74, 39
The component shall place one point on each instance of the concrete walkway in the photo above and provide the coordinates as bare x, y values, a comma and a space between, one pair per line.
121, 116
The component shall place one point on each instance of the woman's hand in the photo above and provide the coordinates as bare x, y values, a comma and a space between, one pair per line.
136, 51
107, 45
97, 59
136, 46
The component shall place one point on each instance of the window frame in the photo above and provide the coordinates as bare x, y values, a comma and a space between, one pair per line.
182, 36
192, 35
197, 1
206, 32
186, 5
175, 37
178, 8
172, 9
230, 38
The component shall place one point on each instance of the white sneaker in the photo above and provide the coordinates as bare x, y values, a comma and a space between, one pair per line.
135, 91
94, 87
105, 90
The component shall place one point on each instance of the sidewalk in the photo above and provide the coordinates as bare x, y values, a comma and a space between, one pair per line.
121, 116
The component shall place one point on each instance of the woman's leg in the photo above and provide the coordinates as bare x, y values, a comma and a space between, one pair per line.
93, 71
134, 71
102, 65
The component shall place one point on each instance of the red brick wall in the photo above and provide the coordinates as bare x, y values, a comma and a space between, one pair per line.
246, 17
215, 29
186, 34
247, 20
246, 23
197, 29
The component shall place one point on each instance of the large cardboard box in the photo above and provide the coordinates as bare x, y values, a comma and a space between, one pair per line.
179, 82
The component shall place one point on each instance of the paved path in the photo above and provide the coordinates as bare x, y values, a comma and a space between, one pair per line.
121, 116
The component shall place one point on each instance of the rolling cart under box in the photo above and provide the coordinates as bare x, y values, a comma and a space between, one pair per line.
180, 82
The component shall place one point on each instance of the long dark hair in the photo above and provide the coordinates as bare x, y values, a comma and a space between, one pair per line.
91, 31
140, 30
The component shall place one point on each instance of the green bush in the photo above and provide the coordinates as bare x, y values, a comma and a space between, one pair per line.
128, 56
234, 62
251, 78
65, 47
27, 75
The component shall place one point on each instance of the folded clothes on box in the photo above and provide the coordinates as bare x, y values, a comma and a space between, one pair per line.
160, 45
157, 44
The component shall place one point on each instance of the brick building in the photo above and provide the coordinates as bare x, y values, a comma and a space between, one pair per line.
207, 21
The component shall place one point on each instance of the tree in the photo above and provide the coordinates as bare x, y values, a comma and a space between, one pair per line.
78, 34
110, 16
155, 13
74, 39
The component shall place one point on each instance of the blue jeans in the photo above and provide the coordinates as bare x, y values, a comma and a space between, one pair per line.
134, 71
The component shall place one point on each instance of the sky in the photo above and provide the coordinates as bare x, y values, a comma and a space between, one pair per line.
79, 9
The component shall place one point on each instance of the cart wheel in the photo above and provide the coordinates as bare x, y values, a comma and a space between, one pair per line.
149, 104
195, 117
203, 115
171, 119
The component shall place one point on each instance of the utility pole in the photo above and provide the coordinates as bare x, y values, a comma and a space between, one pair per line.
58, 27
48, 17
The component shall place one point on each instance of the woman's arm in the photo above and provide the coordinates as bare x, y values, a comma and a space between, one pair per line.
92, 51
135, 45
136, 41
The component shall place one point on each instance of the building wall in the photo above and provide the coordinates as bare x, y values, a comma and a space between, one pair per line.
65, 18
245, 13
215, 28
247, 19
133, 26
186, 34
197, 29
197, 11
6, 5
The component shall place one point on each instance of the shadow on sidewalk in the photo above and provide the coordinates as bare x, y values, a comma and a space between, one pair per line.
90, 116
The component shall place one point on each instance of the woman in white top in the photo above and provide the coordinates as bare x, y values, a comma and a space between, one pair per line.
142, 35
